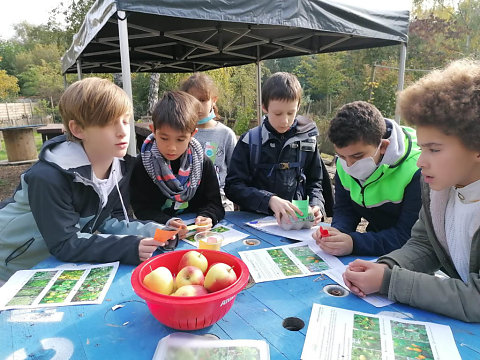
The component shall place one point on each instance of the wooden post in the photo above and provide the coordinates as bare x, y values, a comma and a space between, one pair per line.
20, 144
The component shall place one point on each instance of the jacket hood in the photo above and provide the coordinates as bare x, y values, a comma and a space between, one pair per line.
396, 148
67, 155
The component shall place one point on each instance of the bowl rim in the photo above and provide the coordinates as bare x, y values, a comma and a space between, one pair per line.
150, 296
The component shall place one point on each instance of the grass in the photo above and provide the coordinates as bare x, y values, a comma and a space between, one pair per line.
38, 144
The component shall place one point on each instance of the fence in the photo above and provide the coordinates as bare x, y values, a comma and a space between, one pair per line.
20, 113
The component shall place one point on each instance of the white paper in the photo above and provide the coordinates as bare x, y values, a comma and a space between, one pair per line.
335, 333
374, 299
269, 225
288, 261
75, 285
183, 346
229, 235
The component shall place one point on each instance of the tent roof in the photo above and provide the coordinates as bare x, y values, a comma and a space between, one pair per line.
197, 35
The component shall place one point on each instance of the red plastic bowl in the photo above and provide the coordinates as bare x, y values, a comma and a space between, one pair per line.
195, 312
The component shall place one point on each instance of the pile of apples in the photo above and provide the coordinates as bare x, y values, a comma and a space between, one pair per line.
194, 277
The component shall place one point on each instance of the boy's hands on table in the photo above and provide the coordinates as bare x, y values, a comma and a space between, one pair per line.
336, 243
364, 277
178, 224
283, 208
146, 247
317, 214
204, 223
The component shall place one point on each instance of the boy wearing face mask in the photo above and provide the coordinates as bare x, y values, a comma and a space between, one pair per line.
377, 179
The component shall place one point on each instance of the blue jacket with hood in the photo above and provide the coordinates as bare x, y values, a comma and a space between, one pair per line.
252, 189
57, 209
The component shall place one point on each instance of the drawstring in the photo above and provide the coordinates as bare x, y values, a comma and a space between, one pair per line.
121, 198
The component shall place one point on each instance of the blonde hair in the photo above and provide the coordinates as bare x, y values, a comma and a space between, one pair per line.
93, 102
178, 110
447, 99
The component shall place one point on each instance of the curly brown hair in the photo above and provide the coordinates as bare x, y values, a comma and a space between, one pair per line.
447, 99
357, 121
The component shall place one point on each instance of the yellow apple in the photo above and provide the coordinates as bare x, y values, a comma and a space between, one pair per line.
159, 280
190, 290
189, 275
219, 276
193, 258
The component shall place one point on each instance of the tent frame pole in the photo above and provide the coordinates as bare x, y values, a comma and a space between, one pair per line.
126, 74
401, 75
79, 69
259, 87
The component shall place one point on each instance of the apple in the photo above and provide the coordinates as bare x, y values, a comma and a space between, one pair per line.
189, 275
193, 258
190, 290
219, 276
159, 280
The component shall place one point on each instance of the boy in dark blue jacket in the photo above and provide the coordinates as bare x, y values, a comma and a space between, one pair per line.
377, 178
71, 202
286, 164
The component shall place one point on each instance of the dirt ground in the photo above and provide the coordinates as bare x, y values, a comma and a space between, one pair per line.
9, 179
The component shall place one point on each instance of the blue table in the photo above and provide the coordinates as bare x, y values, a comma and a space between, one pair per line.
131, 332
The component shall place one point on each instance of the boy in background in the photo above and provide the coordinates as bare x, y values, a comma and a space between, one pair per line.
172, 175
444, 106
377, 178
288, 165
71, 202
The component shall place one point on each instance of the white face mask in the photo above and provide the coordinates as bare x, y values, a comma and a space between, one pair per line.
362, 168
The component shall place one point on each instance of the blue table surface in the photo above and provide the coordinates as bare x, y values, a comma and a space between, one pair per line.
131, 332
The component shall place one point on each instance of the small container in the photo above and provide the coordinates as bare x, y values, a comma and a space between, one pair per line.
209, 240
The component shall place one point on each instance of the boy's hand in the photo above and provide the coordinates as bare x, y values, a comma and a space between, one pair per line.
283, 208
178, 224
336, 243
204, 223
364, 277
317, 214
146, 247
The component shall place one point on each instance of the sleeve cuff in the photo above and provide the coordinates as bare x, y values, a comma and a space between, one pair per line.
387, 275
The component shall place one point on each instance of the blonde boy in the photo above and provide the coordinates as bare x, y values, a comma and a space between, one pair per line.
71, 203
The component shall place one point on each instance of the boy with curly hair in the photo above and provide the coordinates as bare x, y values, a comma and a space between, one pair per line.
377, 179
444, 106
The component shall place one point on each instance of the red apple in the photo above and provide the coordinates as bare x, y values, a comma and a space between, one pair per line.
193, 258
189, 275
159, 280
219, 276
190, 290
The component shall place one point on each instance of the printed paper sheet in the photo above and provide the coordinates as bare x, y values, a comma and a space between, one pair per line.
288, 261
75, 285
335, 333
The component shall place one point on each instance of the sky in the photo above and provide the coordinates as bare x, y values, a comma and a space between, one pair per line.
12, 12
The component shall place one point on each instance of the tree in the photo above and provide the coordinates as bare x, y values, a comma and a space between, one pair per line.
8, 86
43, 80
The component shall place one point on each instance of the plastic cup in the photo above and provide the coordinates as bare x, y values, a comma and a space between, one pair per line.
209, 240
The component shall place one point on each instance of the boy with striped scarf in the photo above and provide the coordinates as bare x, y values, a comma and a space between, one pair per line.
172, 175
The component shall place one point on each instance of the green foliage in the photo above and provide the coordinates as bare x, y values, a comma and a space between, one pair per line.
44, 80
244, 117
8, 86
